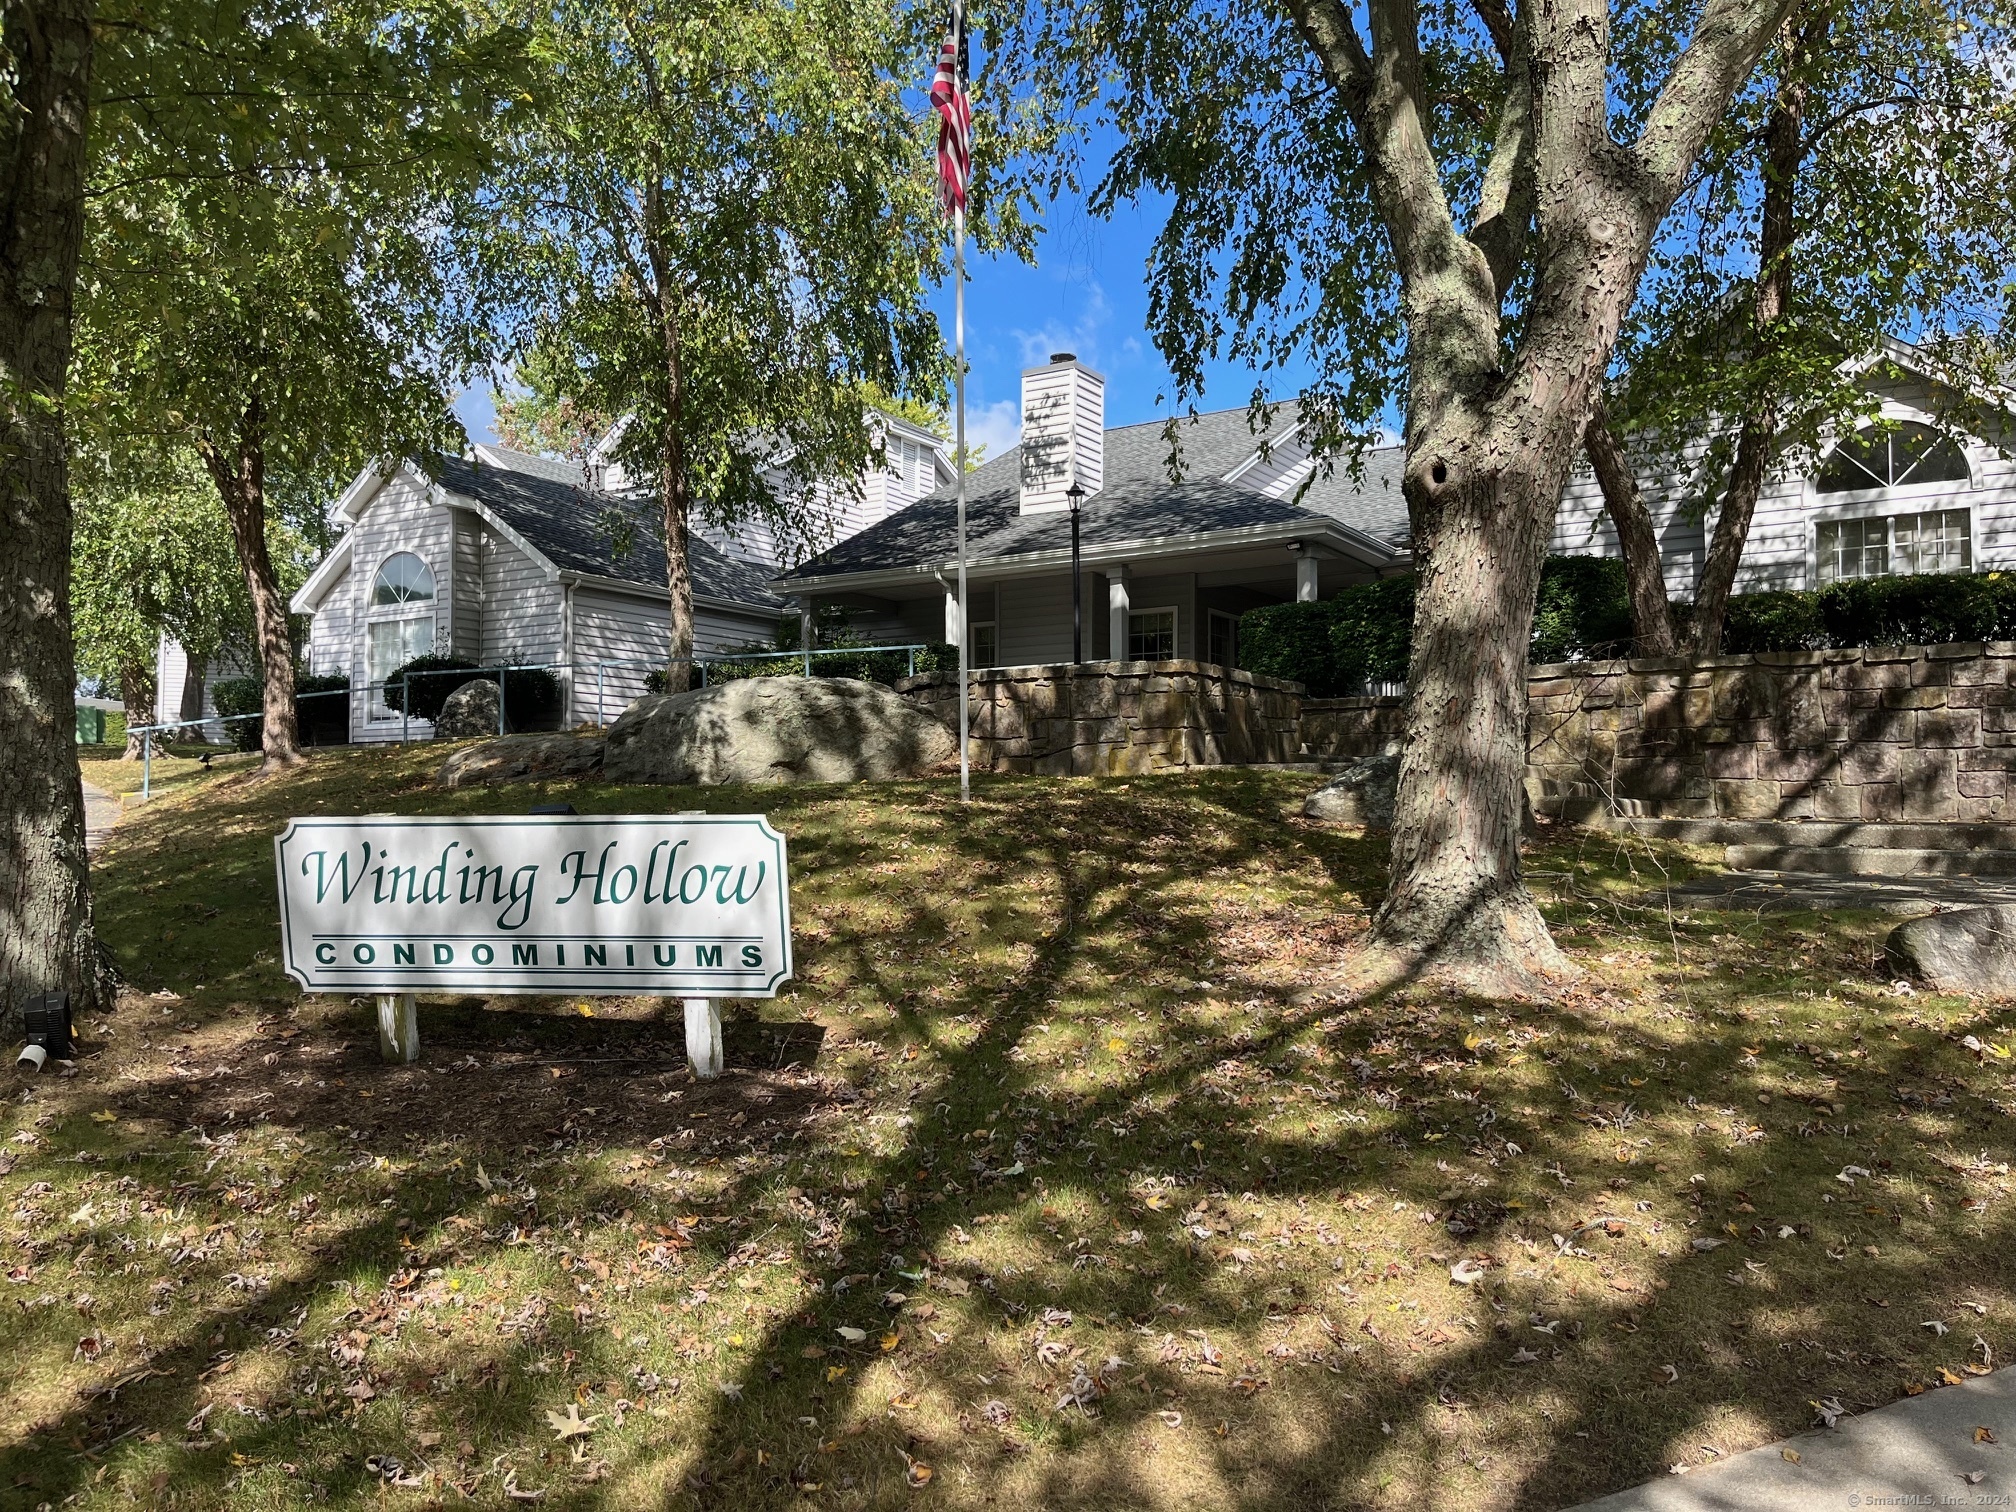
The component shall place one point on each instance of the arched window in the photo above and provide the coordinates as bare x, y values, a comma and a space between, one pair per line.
1892, 457
404, 579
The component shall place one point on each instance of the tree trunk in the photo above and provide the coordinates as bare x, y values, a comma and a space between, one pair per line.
240, 476
137, 692
194, 669
47, 938
1458, 904
1756, 445
674, 487
1651, 618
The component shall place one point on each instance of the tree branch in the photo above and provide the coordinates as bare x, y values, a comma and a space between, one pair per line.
1505, 205
1726, 45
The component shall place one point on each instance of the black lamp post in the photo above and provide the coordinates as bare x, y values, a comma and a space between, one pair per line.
1075, 496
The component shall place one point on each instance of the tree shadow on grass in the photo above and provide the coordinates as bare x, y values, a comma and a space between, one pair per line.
1116, 877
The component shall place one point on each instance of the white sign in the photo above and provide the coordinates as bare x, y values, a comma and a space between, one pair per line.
687, 907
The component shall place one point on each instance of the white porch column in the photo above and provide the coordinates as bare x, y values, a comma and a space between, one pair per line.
1306, 578
952, 616
1117, 606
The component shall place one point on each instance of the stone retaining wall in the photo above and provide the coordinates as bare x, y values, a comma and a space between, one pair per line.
1103, 718
1880, 733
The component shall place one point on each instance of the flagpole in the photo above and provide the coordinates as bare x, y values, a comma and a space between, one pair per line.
959, 463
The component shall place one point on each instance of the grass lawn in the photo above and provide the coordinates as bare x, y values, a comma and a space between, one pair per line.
1054, 1180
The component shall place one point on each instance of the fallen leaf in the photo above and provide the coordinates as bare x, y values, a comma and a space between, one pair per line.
1985, 1436
851, 1335
1466, 1273
1790, 1455
1939, 1330
571, 1424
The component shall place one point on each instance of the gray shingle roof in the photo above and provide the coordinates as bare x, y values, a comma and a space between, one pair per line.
579, 532
1139, 499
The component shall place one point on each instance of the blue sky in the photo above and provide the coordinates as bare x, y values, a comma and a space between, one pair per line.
1087, 293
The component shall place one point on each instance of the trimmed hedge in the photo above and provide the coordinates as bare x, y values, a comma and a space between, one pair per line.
1363, 634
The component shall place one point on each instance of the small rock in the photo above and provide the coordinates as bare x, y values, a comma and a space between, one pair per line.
470, 712
1362, 793
1964, 950
518, 758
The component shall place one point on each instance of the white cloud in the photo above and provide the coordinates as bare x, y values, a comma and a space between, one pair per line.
1080, 336
998, 427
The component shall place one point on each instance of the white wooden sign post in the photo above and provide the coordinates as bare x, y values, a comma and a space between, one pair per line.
695, 907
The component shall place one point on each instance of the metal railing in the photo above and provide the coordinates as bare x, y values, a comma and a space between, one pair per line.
374, 691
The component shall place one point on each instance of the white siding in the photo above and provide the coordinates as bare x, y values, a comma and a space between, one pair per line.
1032, 616
467, 588
1063, 434
521, 607
333, 628
1582, 526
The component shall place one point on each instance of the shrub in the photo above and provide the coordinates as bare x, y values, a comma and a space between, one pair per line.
1923, 609
323, 719
235, 696
431, 679
1583, 611
1291, 641
319, 721
1776, 620
1364, 633
1371, 632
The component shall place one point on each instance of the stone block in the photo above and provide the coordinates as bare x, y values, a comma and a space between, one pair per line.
1914, 698
1733, 761
1882, 802
1894, 726
1798, 763
1931, 673
1894, 673
1746, 800
1949, 727
1983, 810
1744, 693
1868, 762
1957, 651
1978, 784
1833, 801
1929, 780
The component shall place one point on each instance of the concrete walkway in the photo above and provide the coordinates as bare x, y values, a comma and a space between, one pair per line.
1919, 1452
101, 812
1786, 892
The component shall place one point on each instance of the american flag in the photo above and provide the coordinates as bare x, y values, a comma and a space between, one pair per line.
955, 125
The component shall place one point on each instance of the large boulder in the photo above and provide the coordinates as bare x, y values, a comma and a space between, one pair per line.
1969, 950
1362, 793
776, 729
522, 758
470, 712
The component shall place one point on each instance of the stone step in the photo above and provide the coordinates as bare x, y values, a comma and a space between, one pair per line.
1821, 835
1865, 861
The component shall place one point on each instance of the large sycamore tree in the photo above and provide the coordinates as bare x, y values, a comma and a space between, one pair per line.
268, 282
716, 228
1860, 186
1445, 210
47, 940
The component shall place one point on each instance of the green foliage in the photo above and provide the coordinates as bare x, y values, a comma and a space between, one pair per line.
1906, 226
1777, 620
1292, 641
1372, 630
151, 553
419, 687
322, 720
1365, 634
720, 229
1923, 609
274, 186
1583, 611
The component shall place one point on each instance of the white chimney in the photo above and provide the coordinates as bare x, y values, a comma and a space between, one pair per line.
1063, 433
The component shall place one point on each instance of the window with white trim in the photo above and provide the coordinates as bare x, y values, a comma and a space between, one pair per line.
1938, 540
981, 652
395, 635
1151, 635
1892, 456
